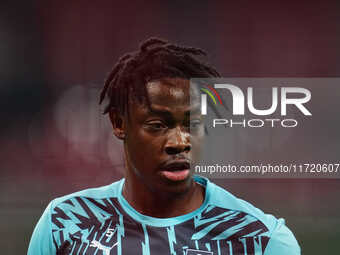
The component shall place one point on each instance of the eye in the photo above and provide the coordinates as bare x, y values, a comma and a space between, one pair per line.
195, 124
156, 125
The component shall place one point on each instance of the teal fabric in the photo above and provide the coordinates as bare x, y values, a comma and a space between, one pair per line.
101, 221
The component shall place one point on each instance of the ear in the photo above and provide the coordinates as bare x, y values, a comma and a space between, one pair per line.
118, 124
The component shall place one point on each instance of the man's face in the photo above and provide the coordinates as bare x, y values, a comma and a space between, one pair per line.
161, 140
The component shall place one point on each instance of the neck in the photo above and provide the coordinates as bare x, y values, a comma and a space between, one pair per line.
159, 204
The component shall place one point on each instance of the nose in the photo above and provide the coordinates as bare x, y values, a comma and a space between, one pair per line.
178, 142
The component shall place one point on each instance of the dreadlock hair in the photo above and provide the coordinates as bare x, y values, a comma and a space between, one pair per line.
156, 59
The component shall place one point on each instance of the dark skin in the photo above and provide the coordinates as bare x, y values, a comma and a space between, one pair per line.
157, 140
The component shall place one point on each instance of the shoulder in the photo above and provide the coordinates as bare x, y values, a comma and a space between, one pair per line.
67, 216
278, 238
103, 192
222, 198
93, 203
282, 241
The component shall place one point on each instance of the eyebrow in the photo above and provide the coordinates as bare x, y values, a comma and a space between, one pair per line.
167, 113
159, 111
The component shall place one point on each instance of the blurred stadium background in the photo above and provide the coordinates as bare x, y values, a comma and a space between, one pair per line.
56, 54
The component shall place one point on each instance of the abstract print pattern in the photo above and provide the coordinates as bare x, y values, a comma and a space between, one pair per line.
83, 225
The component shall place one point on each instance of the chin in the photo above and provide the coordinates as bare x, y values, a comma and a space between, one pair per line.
176, 187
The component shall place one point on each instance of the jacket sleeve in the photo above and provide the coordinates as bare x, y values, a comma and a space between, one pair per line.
282, 241
41, 241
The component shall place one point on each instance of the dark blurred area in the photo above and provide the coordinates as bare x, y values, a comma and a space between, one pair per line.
55, 56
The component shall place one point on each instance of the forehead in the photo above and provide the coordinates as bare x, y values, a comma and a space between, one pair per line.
171, 91
171, 96
167, 91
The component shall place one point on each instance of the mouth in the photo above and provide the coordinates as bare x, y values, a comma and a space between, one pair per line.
178, 170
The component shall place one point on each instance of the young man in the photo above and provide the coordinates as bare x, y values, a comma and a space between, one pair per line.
160, 207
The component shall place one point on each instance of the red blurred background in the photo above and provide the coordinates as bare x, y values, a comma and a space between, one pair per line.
56, 54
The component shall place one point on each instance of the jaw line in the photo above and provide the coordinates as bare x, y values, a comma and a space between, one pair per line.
129, 165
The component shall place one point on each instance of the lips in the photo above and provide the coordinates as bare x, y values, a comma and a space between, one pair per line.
176, 170
176, 165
